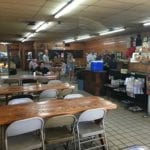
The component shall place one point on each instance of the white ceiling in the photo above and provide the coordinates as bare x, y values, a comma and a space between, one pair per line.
89, 17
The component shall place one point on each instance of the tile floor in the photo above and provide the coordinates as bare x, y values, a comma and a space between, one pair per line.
123, 128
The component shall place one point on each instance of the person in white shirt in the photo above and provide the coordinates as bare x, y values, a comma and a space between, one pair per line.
63, 68
32, 65
46, 59
89, 58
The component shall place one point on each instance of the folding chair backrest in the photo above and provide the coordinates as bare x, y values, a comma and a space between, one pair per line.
42, 80
11, 81
60, 121
73, 96
20, 101
51, 93
21, 96
54, 82
91, 115
24, 126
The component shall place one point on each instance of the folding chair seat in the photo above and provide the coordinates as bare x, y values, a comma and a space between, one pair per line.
91, 129
24, 135
60, 129
20, 101
73, 96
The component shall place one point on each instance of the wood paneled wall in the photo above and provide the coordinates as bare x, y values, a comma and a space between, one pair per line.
114, 44
99, 45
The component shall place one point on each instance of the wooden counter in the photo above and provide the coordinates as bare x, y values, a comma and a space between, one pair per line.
94, 82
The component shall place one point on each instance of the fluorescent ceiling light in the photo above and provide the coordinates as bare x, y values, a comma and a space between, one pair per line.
27, 34
109, 43
23, 40
113, 31
146, 24
20, 39
69, 40
38, 25
68, 8
31, 35
43, 26
59, 8
83, 37
4, 43
122, 41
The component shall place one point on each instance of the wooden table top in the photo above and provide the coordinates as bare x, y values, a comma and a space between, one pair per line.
33, 88
26, 77
50, 108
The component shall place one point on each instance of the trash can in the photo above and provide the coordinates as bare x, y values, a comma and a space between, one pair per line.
80, 79
80, 84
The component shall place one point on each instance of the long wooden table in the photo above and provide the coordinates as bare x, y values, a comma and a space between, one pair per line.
50, 108
32, 88
22, 78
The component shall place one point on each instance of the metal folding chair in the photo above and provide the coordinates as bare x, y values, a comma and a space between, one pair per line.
91, 129
48, 94
21, 135
60, 130
73, 96
20, 101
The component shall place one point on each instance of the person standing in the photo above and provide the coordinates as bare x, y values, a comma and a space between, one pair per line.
70, 66
63, 68
46, 59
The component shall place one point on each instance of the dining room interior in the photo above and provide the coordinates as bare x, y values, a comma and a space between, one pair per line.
75, 75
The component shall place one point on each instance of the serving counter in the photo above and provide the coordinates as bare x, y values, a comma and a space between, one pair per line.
94, 82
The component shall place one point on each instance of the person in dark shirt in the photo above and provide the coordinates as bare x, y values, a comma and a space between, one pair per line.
41, 69
113, 62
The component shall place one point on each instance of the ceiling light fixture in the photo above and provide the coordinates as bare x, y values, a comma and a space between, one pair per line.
69, 40
83, 37
43, 26
27, 34
23, 40
4, 43
146, 24
67, 8
116, 30
38, 25
30, 35
109, 43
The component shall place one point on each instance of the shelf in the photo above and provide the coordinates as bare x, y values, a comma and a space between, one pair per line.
123, 90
